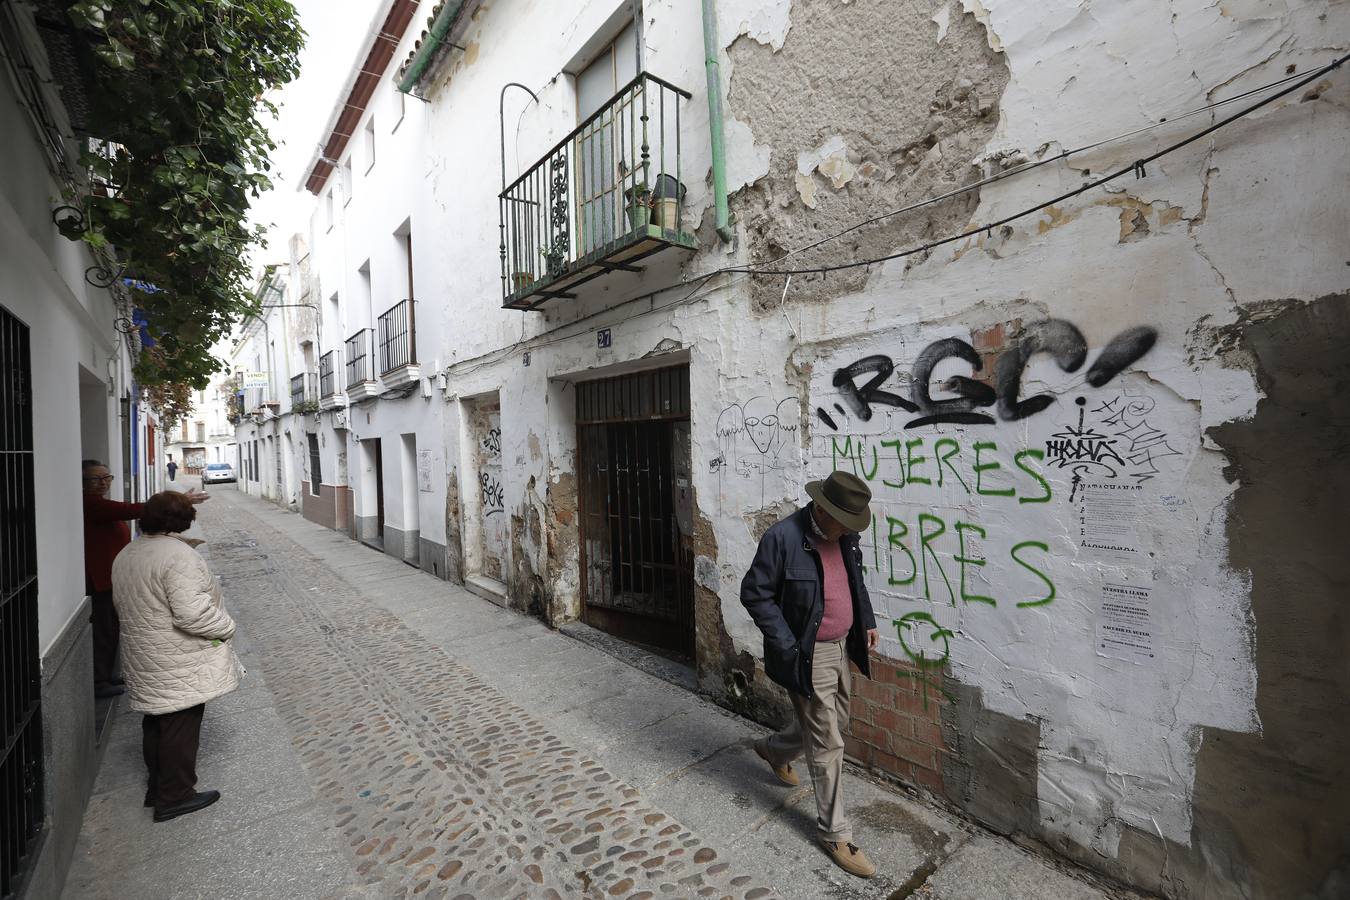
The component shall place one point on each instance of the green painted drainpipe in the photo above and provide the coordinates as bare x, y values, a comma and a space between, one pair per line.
719, 146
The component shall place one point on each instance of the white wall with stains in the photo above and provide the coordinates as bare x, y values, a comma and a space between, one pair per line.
1110, 493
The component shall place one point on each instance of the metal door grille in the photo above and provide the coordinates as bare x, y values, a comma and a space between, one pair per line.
636, 561
21, 776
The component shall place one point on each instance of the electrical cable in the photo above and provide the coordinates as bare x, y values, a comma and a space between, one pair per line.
1137, 167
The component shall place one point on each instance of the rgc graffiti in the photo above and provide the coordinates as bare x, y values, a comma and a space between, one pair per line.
1062, 340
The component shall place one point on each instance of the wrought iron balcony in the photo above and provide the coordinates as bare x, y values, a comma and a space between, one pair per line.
398, 337
327, 379
358, 358
606, 196
304, 390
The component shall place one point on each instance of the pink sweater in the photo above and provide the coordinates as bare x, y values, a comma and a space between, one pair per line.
838, 618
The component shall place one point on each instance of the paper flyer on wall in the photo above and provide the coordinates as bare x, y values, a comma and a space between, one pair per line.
1125, 629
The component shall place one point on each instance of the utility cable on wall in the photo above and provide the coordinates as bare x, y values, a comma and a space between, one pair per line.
1288, 84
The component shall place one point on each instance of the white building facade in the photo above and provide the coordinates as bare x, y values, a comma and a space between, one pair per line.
585, 341
68, 339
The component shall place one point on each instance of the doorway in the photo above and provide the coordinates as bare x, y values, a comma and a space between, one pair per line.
489, 545
636, 505
370, 529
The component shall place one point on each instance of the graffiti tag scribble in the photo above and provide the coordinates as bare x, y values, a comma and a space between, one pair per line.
493, 494
1062, 340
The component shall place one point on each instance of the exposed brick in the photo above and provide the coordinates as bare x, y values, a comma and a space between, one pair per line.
990, 338
891, 764
870, 734
919, 706
860, 710
880, 694
892, 721
928, 778
919, 754
857, 751
929, 733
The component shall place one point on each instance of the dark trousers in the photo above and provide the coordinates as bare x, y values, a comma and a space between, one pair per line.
107, 630
169, 743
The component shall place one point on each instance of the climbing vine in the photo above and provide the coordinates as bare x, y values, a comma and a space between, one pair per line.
177, 89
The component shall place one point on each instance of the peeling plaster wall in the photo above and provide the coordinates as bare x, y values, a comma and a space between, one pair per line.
838, 111
1118, 764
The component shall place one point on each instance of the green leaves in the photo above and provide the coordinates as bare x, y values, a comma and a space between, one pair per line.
176, 94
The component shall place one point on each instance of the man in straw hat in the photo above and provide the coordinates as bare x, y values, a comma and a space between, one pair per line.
805, 592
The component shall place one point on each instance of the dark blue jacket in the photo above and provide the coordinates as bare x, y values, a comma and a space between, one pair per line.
784, 592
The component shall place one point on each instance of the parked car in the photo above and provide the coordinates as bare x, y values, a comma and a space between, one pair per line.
215, 473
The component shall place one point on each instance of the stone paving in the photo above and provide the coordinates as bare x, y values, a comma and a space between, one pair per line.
442, 786
398, 737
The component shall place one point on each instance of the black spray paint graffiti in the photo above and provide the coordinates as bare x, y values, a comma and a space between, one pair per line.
492, 441
1060, 339
492, 493
1123, 444
751, 436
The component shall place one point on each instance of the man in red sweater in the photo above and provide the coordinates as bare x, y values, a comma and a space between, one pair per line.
105, 534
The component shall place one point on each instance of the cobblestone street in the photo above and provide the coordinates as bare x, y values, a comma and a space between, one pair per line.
399, 737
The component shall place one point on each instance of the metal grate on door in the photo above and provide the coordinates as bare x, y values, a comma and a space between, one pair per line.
637, 564
21, 776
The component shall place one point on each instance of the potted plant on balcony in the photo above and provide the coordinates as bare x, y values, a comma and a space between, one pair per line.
666, 198
520, 281
638, 202
555, 259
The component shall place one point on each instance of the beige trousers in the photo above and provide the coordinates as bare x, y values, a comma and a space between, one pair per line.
817, 732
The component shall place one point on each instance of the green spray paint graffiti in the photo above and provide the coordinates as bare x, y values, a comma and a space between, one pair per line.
924, 659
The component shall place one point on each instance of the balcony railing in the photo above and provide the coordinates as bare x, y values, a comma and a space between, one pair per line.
605, 196
358, 358
304, 389
398, 333
327, 381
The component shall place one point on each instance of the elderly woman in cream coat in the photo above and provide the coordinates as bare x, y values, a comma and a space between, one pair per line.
175, 654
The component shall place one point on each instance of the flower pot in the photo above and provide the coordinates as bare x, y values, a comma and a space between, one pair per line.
639, 205
668, 187
666, 213
639, 215
520, 281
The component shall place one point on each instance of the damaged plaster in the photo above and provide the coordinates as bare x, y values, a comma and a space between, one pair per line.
897, 118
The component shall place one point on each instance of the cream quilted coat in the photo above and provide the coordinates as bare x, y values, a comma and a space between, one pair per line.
175, 633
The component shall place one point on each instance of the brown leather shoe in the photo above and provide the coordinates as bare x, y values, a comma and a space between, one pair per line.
784, 772
848, 857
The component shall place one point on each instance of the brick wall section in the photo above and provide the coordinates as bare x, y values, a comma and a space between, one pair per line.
895, 723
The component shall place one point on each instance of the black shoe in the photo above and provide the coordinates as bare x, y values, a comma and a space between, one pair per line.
117, 679
104, 691
200, 800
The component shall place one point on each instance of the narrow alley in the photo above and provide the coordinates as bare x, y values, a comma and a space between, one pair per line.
397, 736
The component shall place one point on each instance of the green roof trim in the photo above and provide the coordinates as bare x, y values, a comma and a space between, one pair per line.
442, 21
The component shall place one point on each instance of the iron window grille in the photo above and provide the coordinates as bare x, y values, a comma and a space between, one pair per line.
397, 337
315, 465
358, 358
327, 371
304, 389
21, 767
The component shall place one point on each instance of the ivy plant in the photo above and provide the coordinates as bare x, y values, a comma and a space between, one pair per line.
177, 91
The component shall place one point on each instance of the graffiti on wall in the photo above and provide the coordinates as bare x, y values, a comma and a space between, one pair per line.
1003, 482
757, 441
1059, 339
490, 530
492, 494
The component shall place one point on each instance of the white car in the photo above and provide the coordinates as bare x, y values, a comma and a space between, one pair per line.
215, 473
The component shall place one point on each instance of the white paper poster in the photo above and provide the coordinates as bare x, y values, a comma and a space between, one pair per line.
424, 458
1124, 626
